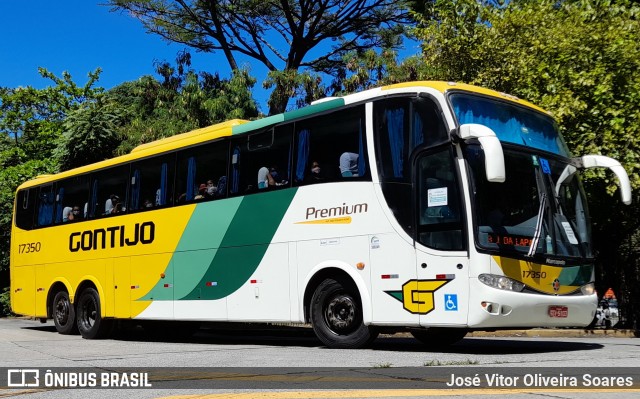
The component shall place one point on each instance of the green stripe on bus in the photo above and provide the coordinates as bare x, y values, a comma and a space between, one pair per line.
257, 124
244, 245
314, 109
287, 116
206, 229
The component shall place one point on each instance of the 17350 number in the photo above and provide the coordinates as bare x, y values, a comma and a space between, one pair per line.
29, 248
533, 274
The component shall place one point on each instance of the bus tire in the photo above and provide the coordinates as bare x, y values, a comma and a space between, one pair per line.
64, 314
90, 323
336, 316
438, 337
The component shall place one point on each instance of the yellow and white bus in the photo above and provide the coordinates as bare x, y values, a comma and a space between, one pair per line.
433, 207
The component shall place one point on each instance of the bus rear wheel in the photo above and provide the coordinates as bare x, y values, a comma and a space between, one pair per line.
90, 323
438, 337
336, 316
64, 314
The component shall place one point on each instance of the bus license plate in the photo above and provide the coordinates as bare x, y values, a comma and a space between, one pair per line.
558, 311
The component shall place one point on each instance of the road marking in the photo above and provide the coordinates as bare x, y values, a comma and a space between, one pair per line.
7, 393
383, 393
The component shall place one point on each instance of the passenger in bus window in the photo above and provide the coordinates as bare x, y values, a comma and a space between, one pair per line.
265, 179
211, 188
273, 171
70, 214
316, 174
349, 164
117, 208
278, 178
202, 192
221, 188
110, 203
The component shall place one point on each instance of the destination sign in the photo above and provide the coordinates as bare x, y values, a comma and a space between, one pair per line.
509, 239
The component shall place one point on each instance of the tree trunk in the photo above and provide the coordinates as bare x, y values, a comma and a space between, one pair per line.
279, 99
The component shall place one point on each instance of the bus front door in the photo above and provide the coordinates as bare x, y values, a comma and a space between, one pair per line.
440, 293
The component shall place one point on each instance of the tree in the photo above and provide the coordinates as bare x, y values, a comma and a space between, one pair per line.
284, 36
31, 123
33, 117
181, 100
90, 135
579, 60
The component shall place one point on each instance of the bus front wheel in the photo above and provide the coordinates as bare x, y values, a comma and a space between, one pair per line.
64, 314
336, 316
90, 323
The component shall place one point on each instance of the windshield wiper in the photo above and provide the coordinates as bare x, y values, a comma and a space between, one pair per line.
539, 221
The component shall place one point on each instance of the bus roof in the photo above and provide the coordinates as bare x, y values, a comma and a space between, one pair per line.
444, 87
240, 126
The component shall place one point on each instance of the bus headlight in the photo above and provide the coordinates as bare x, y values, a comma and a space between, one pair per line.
588, 289
501, 282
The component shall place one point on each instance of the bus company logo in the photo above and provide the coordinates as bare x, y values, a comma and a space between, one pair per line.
417, 295
336, 215
20, 378
556, 285
112, 237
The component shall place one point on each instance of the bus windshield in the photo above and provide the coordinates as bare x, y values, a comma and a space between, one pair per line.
530, 214
512, 124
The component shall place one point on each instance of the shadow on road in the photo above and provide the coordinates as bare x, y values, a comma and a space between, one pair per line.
485, 346
258, 334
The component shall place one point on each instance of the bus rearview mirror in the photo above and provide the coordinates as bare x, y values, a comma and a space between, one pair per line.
493, 156
600, 161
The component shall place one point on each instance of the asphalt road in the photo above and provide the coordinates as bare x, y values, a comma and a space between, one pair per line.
234, 358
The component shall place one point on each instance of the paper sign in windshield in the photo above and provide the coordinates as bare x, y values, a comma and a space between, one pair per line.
437, 197
570, 234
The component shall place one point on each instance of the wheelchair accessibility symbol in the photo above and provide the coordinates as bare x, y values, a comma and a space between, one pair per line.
451, 302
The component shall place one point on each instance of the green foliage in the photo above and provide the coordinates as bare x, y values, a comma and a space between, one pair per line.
90, 135
281, 35
31, 124
374, 68
180, 101
5, 303
580, 61
450, 30
33, 117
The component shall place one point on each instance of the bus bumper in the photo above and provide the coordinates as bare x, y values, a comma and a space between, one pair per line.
493, 308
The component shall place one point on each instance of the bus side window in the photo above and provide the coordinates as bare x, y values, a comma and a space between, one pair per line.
200, 171
321, 145
151, 182
110, 190
70, 193
46, 202
261, 154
